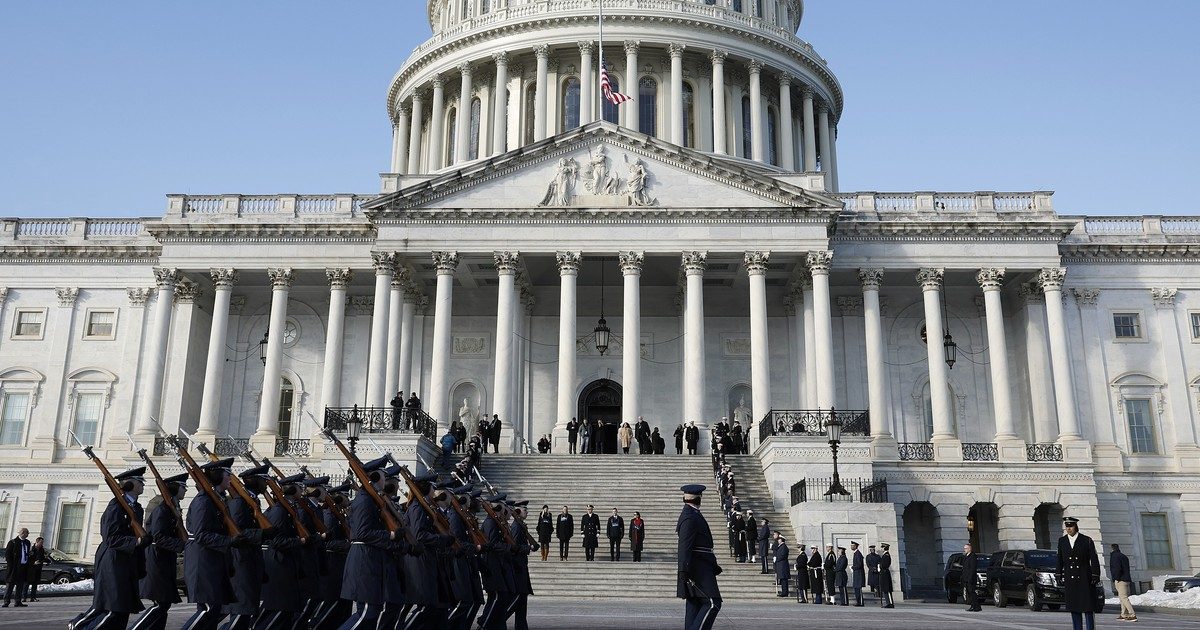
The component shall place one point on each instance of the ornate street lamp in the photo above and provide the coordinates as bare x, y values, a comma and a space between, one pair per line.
262, 349
948, 346
602, 331
833, 429
353, 428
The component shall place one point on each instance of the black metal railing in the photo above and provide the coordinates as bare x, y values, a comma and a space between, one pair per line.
162, 446
916, 451
1044, 452
231, 447
981, 452
811, 422
381, 420
288, 447
861, 491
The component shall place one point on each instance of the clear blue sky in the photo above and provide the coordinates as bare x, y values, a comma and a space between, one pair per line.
106, 107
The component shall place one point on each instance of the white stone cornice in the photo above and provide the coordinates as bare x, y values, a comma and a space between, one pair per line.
24, 253
1163, 297
66, 296
244, 230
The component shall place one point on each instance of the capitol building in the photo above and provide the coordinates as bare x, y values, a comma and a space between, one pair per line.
537, 252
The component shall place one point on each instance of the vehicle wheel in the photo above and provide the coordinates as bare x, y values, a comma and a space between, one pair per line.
998, 596
1031, 599
1052, 606
61, 578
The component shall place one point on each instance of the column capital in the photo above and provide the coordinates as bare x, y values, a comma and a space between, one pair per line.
1085, 296
785, 80
224, 278
755, 66
500, 58
384, 263
1032, 293
464, 68
930, 278
756, 262
403, 110
542, 51
850, 305
1051, 278
819, 262
871, 278
568, 263
586, 48
675, 50
631, 46
1163, 297
631, 262
281, 278
188, 292
718, 57
507, 262
401, 279
694, 262
446, 262
806, 92
339, 278
66, 296
166, 277
436, 82
138, 296
990, 278
418, 95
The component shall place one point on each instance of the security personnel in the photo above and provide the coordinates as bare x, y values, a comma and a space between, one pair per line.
247, 560
858, 568
968, 576
615, 530
783, 566
1079, 572
120, 561
590, 523
885, 577
497, 567
282, 597
370, 563
697, 569
872, 569
522, 587
801, 574
206, 557
333, 610
162, 556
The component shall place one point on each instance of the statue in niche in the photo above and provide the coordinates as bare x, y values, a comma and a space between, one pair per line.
741, 413
466, 414
635, 187
559, 192
597, 180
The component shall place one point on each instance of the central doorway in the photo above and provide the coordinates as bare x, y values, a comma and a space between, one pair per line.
601, 400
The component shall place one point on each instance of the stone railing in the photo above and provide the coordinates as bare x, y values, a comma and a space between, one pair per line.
915, 451
71, 229
981, 452
1044, 452
1148, 225
950, 204
381, 420
861, 490
290, 206
811, 422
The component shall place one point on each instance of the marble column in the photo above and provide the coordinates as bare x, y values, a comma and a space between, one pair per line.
833, 162
720, 142
506, 267
408, 310
156, 350
414, 134
1043, 424
823, 134
568, 272
793, 307
944, 438
462, 121
1051, 280
400, 140
542, 53
331, 372
760, 350
385, 269
437, 117
810, 341
630, 86
214, 370
587, 84
810, 131
819, 263
758, 145
500, 104
446, 263
631, 336
391, 374
675, 119
787, 154
694, 263
883, 445
1009, 444
268, 410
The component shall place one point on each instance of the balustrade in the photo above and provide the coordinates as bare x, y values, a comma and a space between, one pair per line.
1044, 452
980, 452
43, 227
289, 447
231, 447
861, 491
915, 451
811, 422
381, 420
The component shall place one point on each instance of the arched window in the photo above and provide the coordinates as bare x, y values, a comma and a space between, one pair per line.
570, 103
286, 398
737, 5
747, 146
689, 118
772, 137
476, 113
451, 136
758, 8
530, 112
648, 106
485, 7
612, 113
466, 9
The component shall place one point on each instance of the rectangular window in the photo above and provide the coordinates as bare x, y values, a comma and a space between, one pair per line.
5, 518
70, 529
13, 409
1141, 426
100, 325
87, 417
1194, 320
1156, 537
1127, 325
29, 324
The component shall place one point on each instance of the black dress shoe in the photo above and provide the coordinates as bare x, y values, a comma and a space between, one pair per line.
20, 605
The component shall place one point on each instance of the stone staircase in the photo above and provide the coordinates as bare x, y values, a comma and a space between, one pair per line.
648, 484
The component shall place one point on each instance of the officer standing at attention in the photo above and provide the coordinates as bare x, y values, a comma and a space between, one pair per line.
885, 577
872, 569
858, 569
816, 578
119, 560
590, 523
158, 585
763, 538
616, 532
830, 567
783, 566
697, 569
967, 578
840, 575
1079, 572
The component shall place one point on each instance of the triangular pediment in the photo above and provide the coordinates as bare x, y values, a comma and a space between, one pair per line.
604, 167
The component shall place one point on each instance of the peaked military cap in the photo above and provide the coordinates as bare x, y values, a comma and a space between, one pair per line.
226, 464
1070, 520
177, 479
345, 487
132, 473
257, 471
884, 546
428, 477
463, 489
392, 471
296, 478
375, 464
499, 498
692, 490
316, 481
521, 503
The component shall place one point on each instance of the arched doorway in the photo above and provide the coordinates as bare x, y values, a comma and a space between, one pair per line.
600, 400
983, 524
922, 558
1047, 523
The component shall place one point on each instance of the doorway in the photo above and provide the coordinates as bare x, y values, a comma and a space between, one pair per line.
600, 400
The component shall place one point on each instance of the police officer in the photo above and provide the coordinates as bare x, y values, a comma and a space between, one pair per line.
783, 566
119, 560
370, 563
1079, 572
497, 567
885, 577
968, 576
697, 570
858, 569
158, 585
248, 569
206, 557
615, 531
590, 523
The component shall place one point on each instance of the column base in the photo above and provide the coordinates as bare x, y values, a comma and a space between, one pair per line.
1076, 450
1011, 450
947, 449
1106, 457
1187, 456
263, 444
885, 448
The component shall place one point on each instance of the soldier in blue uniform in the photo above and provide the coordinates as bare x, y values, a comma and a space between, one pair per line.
1079, 573
840, 564
282, 598
247, 560
497, 567
333, 610
858, 569
371, 562
162, 555
312, 552
119, 561
522, 587
590, 524
697, 568
885, 577
783, 565
206, 559
464, 578
428, 584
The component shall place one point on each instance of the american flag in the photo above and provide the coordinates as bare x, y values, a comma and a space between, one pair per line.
616, 98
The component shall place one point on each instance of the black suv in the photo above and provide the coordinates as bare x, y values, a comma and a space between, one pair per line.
59, 569
952, 580
1029, 577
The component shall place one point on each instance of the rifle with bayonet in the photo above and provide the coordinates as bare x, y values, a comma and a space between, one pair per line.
472, 524
163, 489
189, 464
235, 482
318, 522
387, 510
326, 499
134, 522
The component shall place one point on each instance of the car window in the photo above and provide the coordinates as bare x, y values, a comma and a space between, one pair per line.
982, 561
1017, 560
1042, 559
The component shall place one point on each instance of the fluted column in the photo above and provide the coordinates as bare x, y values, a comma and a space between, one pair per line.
630, 86
268, 409
883, 444
408, 310
331, 373
500, 107
823, 132
446, 263
810, 341
757, 144
833, 162
568, 272
760, 351
587, 84
400, 140
391, 372
676, 117
1051, 280
437, 116
214, 370
720, 142
944, 437
819, 263
694, 263
1010, 445
787, 158
156, 350
462, 122
506, 267
631, 336
810, 132
414, 134
385, 269
539, 97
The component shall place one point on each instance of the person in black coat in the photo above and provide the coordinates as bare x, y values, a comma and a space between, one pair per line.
37, 559
412, 408
885, 577
498, 579
615, 529
590, 524
247, 561
763, 541
333, 611
18, 557
679, 439
494, 433
840, 577
872, 560
120, 560
564, 529
697, 568
830, 572
545, 529
858, 574
206, 561
397, 410
282, 597
968, 576
691, 435
572, 436
522, 587
783, 566
1079, 572
1118, 565
801, 574
816, 575
464, 582
427, 582
371, 562
308, 507
641, 431
657, 443
158, 585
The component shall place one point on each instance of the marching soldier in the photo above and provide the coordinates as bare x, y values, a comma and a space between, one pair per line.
590, 523
783, 564
282, 597
248, 569
119, 560
616, 532
697, 565
313, 551
872, 569
497, 567
427, 589
370, 564
860, 576
830, 567
397, 601
206, 557
839, 569
464, 579
333, 610
522, 587
885, 577
1079, 572
816, 578
162, 556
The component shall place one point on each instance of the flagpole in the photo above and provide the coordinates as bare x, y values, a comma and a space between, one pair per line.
599, 104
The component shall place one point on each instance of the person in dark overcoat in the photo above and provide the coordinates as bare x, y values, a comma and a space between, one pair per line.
428, 583
762, 540
206, 559
573, 436
545, 530
158, 585
657, 443
248, 569
858, 572
498, 579
872, 560
308, 507
1079, 573
564, 529
371, 562
465, 587
333, 611
830, 572
18, 557
282, 597
691, 436
37, 559
637, 536
802, 585
679, 439
841, 580
816, 577
396, 600
120, 560
590, 524
697, 567
494, 433
783, 565
968, 576
522, 587
615, 530
885, 577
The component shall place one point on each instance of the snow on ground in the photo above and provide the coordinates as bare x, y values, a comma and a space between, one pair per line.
1187, 599
82, 586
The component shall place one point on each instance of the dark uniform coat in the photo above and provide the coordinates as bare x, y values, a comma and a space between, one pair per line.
564, 528
312, 552
464, 578
885, 572
371, 562
637, 534
206, 561
283, 564
248, 569
615, 528
783, 566
697, 568
692, 435
1079, 571
162, 556
859, 569
119, 561
801, 569
424, 572
497, 564
333, 561
830, 567
520, 560
873, 570
591, 530
839, 571
679, 437
816, 576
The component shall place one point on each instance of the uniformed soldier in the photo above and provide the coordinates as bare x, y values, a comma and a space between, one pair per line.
522, 587
464, 578
692, 436
840, 577
119, 560
308, 508
428, 584
802, 585
370, 563
282, 598
497, 567
872, 569
397, 601
206, 558
248, 569
830, 573
590, 523
783, 566
333, 610
885, 577
697, 569
816, 578
162, 556
1079, 573
858, 569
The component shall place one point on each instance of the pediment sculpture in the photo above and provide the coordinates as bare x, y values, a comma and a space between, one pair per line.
600, 186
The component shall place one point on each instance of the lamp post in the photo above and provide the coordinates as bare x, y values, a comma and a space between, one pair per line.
262, 349
602, 331
833, 429
353, 427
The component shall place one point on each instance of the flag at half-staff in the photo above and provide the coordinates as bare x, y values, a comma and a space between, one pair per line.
616, 98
